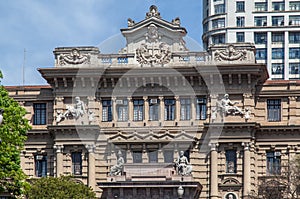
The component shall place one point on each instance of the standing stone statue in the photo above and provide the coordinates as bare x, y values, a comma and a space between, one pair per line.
117, 169
182, 165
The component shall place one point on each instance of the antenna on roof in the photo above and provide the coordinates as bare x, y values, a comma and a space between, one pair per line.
23, 68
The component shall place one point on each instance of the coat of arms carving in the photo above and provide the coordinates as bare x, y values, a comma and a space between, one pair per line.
75, 57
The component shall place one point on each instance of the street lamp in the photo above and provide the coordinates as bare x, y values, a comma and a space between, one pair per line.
1, 116
180, 192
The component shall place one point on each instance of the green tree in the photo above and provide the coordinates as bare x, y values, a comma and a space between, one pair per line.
13, 135
59, 188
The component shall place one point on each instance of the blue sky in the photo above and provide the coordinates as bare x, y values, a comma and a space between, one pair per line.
39, 26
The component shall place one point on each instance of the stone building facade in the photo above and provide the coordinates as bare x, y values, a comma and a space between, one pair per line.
152, 101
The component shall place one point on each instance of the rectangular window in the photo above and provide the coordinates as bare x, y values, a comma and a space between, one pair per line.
277, 37
219, 8
40, 111
240, 21
294, 37
201, 108
76, 163
294, 20
169, 109
260, 37
218, 39
138, 110
273, 163
261, 54
240, 6
261, 6
106, 110
137, 157
294, 53
122, 110
230, 161
218, 23
294, 68
185, 109
240, 37
154, 109
274, 110
277, 69
168, 156
40, 165
153, 156
295, 5
278, 21
277, 53
278, 6
260, 21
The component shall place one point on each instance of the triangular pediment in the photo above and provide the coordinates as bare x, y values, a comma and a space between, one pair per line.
154, 33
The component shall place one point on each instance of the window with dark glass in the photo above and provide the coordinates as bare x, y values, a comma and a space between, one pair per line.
169, 109
294, 5
201, 108
218, 23
240, 37
260, 37
240, 6
106, 110
137, 156
294, 53
260, 21
40, 165
219, 8
261, 6
278, 21
274, 110
153, 109
277, 53
153, 156
273, 163
294, 37
277, 68
277, 37
185, 109
294, 68
218, 39
138, 110
231, 161
40, 111
261, 54
294, 20
240, 21
168, 156
76, 163
122, 110
278, 6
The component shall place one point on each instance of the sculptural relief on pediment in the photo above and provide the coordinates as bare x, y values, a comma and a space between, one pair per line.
230, 54
74, 57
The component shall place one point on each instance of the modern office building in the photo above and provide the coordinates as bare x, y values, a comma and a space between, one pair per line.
272, 25
118, 122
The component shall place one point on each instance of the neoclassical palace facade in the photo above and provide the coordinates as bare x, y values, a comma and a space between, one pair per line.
150, 103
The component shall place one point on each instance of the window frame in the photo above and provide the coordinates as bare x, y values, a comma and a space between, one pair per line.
274, 110
273, 163
76, 157
107, 111
40, 165
40, 113
170, 109
122, 111
231, 157
138, 109
240, 6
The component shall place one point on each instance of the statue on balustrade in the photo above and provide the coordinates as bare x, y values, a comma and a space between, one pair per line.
229, 107
76, 111
117, 169
182, 165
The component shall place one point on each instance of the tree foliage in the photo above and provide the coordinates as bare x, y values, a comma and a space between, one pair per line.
13, 135
59, 188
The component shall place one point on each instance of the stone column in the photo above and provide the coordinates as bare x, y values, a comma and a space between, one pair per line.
146, 109
213, 171
59, 160
162, 108
114, 109
91, 166
177, 108
246, 170
130, 109
193, 108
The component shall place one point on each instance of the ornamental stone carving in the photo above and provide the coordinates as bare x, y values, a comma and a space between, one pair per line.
152, 34
74, 58
153, 54
153, 12
230, 54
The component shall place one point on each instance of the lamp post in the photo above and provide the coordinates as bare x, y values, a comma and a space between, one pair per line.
1, 116
180, 192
